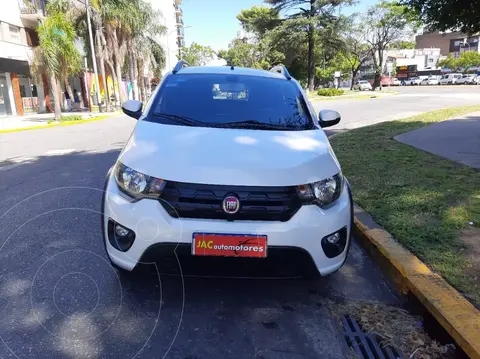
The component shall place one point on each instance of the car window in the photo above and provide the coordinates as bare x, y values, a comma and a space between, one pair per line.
221, 100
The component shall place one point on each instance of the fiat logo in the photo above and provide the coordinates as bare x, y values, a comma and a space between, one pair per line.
231, 205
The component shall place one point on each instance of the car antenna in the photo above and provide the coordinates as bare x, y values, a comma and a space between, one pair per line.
232, 68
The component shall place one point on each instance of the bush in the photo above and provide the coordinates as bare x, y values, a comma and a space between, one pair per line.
330, 92
71, 118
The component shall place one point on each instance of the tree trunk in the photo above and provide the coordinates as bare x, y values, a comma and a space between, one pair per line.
56, 100
115, 82
118, 66
141, 80
378, 69
311, 61
101, 60
61, 94
46, 92
354, 75
133, 71
311, 48
68, 88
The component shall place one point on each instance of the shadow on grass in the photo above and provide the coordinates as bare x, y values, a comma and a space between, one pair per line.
422, 199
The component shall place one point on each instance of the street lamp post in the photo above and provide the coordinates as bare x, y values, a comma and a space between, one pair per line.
466, 43
94, 61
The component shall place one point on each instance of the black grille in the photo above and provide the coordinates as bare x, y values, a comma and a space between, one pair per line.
190, 200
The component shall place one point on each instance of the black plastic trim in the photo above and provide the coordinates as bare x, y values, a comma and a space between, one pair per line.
203, 201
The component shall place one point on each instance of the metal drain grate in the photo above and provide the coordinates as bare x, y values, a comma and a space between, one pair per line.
366, 345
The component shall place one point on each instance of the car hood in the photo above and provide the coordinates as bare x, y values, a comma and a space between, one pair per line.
229, 156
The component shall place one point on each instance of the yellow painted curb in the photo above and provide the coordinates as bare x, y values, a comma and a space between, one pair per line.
451, 310
65, 123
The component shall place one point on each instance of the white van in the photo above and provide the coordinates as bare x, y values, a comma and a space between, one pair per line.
450, 79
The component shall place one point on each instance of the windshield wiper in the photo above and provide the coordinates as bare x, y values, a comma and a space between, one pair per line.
188, 121
253, 124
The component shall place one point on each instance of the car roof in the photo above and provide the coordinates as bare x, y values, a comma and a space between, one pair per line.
224, 70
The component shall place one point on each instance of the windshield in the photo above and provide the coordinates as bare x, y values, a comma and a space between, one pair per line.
234, 101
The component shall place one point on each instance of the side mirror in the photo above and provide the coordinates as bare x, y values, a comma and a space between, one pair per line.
328, 118
132, 108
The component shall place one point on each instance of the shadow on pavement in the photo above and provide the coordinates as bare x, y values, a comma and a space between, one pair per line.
60, 297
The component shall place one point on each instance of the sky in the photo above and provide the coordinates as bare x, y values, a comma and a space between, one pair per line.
214, 22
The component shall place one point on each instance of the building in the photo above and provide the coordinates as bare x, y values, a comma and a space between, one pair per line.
19, 92
448, 42
172, 18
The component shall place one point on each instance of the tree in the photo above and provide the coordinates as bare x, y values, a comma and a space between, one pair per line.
197, 55
56, 54
385, 23
356, 49
259, 19
444, 15
402, 44
450, 62
468, 59
317, 14
254, 55
325, 75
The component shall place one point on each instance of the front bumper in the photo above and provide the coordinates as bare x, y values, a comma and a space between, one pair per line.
153, 226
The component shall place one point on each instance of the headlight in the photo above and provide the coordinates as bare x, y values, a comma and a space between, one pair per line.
322, 192
136, 184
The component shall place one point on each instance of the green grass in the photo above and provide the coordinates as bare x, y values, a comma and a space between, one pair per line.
423, 200
67, 118
351, 95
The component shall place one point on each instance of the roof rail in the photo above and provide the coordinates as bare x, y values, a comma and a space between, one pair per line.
180, 65
282, 70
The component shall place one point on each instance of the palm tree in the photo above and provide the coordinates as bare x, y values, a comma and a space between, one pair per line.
57, 53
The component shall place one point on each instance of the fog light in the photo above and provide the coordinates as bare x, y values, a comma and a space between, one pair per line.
334, 244
121, 231
333, 238
120, 237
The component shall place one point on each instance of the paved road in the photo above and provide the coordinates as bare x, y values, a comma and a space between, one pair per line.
410, 101
59, 297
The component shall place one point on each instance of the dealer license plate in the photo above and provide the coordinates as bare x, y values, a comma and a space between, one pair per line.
229, 245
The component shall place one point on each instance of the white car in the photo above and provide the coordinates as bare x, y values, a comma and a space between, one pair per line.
466, 80
362, 85
396, 82
247, 174
450, 79
413, 81
429, 81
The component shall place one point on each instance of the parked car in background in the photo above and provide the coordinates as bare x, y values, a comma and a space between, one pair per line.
396, 82
450, 79
413, 81
468, 79
476, 80
362, 85
430, 81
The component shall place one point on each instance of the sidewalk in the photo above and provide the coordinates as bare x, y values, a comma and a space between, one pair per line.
457, 139
35, 120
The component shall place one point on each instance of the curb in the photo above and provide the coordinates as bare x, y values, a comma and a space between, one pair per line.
59, 124
449, 308
366, 96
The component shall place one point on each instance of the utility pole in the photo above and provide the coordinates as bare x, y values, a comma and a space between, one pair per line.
94, 59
